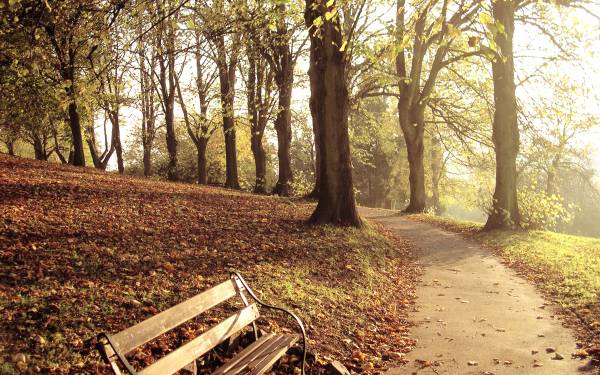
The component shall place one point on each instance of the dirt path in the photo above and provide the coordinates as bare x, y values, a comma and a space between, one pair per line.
472, 309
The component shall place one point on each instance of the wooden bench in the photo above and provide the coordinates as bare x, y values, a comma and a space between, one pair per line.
257, 358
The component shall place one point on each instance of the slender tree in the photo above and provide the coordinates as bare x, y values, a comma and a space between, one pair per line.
199, 127
259, 84
415, 86
165, 44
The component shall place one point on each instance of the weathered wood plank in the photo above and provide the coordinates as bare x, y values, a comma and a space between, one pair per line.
141, 333
177, 359
243, 355
259, 357
266, 361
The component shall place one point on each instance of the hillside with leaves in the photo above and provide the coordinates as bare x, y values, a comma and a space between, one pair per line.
84, 251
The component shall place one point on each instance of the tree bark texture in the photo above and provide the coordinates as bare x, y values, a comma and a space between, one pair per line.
505, 131
329, 100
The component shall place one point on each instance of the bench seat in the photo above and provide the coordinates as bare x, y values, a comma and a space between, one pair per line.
258, 357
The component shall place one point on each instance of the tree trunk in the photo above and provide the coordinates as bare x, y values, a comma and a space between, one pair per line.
75, 125
94, 154
10, 145
38, 148
436, 174
201, 149
171, 143
227, 86
413, 125
329, 99
147, 162
116, 140
314, 194
260, 163
505, 131
166, 62
283, 127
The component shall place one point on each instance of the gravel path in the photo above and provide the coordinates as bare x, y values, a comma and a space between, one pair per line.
475, 316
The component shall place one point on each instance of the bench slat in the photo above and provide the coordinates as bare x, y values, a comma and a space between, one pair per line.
244, 354
177, 359
141, 333
259, 357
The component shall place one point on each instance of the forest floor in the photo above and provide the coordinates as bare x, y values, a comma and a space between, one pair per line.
83, 251
476, 316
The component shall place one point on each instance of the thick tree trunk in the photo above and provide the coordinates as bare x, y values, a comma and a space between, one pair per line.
77, 139
413, 125
283, 127
505, 130
201, 149
329, 99
314, 194
147, 162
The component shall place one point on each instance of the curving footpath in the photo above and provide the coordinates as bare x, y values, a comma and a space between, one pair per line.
475, 316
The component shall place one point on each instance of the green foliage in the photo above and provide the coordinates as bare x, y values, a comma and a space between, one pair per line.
378, 157
540, 210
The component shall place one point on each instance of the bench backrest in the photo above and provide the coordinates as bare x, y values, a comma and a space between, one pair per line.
131, 338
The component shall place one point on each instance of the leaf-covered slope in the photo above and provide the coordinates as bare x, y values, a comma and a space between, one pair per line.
83, 251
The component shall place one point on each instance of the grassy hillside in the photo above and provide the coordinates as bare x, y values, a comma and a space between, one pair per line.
565, 267
83, 251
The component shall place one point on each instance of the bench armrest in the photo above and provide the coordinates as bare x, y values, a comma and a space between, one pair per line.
236, 277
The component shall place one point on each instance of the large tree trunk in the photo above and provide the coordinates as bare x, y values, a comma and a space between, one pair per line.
201, 149
314, 194
147, 161
283, 127
329, 99
505, 130
413, 126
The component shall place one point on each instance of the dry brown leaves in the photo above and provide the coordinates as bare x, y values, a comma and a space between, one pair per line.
83, 252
